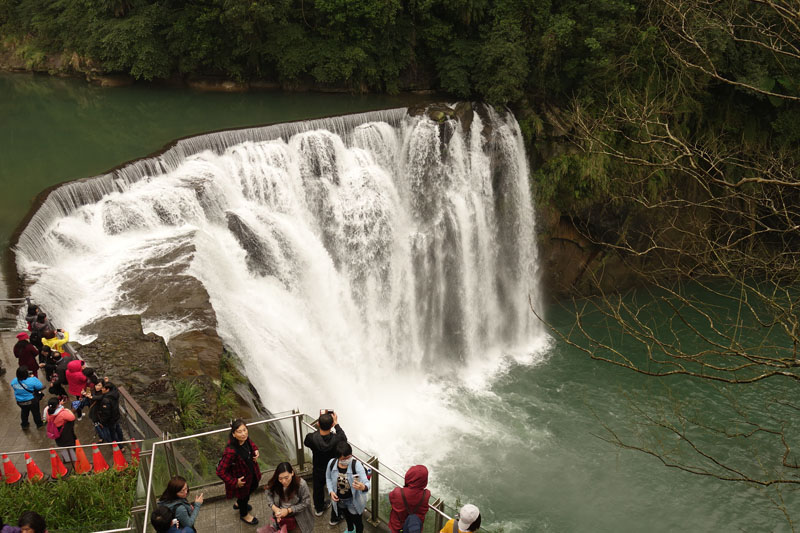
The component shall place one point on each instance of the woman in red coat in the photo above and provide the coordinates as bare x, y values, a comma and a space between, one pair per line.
416, 496
76, 380
239, 470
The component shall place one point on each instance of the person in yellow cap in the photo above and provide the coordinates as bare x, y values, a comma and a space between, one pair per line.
468, 519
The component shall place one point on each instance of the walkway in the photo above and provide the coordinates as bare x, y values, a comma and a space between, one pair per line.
12, 437
220, 516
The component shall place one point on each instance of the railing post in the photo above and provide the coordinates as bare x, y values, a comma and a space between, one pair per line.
438, 521
298, 441
145, 460
375, 490
169, 453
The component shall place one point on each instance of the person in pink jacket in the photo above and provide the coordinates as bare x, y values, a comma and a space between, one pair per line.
76, 380
64, 422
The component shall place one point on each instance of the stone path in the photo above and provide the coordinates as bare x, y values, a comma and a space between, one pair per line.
12, 437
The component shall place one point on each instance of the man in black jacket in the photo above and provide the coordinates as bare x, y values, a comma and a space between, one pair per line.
323, 445
108, 412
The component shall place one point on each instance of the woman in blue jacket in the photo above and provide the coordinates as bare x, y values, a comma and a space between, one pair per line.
25, 388
348, 485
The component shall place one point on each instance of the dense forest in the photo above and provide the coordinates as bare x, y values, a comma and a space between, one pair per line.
726, 71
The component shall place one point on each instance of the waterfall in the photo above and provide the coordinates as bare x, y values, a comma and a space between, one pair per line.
367, 263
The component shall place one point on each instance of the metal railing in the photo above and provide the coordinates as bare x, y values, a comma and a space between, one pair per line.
150, 497
437, 506
299, 422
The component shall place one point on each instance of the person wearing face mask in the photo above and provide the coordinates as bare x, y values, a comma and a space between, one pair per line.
348, 486
290, 500
239, 469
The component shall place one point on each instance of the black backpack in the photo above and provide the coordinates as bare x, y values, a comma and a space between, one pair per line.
35, 338
412, 524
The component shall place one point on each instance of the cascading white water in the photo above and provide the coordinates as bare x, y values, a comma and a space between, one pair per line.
373, 264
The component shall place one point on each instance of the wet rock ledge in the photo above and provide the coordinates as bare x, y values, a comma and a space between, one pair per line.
162, 377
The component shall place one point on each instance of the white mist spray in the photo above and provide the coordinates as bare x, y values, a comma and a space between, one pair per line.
370, 264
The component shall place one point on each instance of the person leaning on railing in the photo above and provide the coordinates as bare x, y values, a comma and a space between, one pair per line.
412, 498
467, 520
55, 339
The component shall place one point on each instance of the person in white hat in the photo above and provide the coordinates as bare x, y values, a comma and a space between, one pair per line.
468, 520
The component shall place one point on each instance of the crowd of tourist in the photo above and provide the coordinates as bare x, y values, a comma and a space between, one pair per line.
339, 480
45, 365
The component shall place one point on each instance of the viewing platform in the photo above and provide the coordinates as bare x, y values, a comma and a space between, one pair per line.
194, 456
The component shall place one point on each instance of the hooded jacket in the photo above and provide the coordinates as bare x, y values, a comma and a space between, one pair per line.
75, 377
414, 490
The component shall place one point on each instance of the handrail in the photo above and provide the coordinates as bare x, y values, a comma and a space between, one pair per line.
134, 405
365, 452
19, 452
375, 469
186, 437
250, 424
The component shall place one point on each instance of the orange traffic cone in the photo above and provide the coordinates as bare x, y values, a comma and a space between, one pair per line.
10, 471
82, 465
135, 450
119, 459
56, 466
100, 464
34, 472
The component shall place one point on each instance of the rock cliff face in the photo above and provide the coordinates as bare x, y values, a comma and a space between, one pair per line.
137, 361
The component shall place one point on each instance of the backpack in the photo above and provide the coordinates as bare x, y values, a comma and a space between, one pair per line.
35, 338
53, 431
412, 524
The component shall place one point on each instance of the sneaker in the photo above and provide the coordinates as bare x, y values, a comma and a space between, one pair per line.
335, 520
79, 417
325, 508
